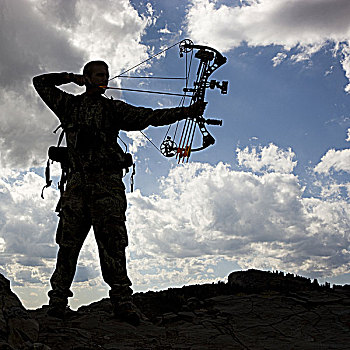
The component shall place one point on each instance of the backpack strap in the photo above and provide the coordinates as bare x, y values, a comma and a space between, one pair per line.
47, 178
47, 169
64, 166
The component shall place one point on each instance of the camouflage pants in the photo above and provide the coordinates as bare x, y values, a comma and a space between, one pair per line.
100, 202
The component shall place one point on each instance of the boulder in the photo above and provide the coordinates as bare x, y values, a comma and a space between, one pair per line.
17, 329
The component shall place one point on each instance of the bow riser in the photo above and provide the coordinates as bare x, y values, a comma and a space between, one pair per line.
210, 60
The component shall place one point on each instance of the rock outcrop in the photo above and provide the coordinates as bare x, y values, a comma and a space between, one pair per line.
253, 310
17, 329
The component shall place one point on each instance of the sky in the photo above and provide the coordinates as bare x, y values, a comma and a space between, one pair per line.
272, 193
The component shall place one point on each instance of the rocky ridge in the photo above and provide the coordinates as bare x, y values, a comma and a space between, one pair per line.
253, 310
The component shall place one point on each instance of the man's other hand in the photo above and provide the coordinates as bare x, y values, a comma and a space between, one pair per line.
79, 79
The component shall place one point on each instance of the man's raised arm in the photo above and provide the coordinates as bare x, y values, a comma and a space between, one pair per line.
56, 99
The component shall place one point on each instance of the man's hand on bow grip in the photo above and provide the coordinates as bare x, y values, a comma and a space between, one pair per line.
197, 109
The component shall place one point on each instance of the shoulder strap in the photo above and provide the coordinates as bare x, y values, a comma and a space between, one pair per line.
60, 138
47, 178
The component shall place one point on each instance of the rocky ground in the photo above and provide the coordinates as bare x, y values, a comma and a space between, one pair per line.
253, 310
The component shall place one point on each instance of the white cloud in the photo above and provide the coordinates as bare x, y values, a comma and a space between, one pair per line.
119, 26
27, 236
279, 58
304, 25
137, 141
204, 215
164, 30
333, 165
336, 160
27, 230
267, 158
209, 212
269, 22
27, 221
26, 48
346, 63
25, 132
74, 32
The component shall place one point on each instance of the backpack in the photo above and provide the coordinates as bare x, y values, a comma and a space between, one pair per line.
60, 154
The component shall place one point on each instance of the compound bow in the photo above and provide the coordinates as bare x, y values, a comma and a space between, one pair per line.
210, 60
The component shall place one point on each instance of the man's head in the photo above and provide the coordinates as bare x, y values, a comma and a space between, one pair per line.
96, 74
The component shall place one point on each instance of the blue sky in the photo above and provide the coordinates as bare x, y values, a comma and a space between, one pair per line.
272, 193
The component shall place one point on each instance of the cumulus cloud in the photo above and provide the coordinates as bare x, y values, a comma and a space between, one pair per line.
332, 167
334, 160
268, 22
306, 26
205, 213
279, 58
346, 63
137, 141
204, 216
30, 44
27, 221
42, 36
27, 228
267, 158
25, 131
27, 236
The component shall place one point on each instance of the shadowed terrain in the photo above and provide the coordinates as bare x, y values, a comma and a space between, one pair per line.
252, 310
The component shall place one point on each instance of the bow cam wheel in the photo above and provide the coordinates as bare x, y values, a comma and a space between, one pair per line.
168, 147
185, 46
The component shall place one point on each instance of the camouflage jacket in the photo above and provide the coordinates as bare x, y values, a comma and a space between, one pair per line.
92, 124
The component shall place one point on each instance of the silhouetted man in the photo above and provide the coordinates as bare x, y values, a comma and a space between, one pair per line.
95, 193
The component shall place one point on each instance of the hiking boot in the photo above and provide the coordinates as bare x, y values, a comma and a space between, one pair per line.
58, 303
57, 307
128, 312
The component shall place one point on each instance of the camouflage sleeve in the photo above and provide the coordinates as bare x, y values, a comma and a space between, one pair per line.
138, 118
56, 99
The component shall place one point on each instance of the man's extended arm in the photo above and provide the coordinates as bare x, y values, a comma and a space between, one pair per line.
139, 118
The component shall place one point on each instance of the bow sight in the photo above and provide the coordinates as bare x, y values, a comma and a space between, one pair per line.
223, 86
